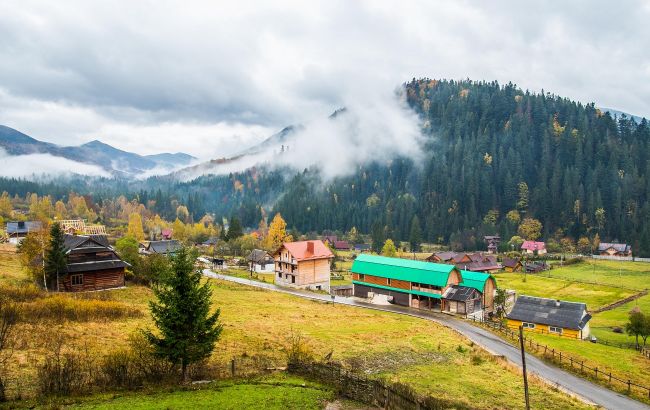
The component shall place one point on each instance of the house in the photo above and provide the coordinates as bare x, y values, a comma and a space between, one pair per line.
536, 266
166, 234
17, 231
342, 246
614, 249
404, 282
92, 264
475, 262
362, 247
484, 283
210, 241
533, 248
492, 242
511, 264
304, 264
162, 247
330, 239
260, 261
80, 227
550, 316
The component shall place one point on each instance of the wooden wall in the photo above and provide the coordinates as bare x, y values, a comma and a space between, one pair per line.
95, 280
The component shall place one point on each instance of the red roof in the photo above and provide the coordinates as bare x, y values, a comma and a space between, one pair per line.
341, 245
533, 246
306, 250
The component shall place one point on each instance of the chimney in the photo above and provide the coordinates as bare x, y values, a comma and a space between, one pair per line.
310, 247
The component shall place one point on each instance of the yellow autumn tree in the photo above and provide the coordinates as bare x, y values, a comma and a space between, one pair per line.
277, 233
135, 227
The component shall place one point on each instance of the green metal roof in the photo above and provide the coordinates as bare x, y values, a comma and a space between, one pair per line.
436, 274
413, 292
475, 280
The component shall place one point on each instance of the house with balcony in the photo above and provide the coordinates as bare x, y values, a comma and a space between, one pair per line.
303, 264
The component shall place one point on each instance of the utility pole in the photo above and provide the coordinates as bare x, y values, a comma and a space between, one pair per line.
523, 363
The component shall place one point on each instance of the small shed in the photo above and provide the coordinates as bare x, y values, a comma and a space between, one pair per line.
511, 264
462, 300
17, 231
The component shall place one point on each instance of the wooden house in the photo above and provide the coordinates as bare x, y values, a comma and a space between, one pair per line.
614, 249
462, 300
511, 264
167, 247
492, 242
260, 261
475, 262
550, 316
304, 264
342, 246
92, 264
484, 283
533, 248
17, 231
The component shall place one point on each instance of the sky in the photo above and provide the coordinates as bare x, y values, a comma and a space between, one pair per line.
212, 78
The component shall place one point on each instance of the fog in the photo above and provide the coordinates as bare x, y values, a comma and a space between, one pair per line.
39, 165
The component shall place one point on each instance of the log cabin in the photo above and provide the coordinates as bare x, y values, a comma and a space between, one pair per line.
614, 249
550, 316
304, 264
92, 264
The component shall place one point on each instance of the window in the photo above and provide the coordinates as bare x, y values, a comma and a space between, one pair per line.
280, 275
293, 279
77, 279
554, 329
362, 276
528, 325
388, 281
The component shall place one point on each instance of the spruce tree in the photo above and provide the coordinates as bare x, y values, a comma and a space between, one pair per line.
234, 229
187, 331
56, 261
415, 236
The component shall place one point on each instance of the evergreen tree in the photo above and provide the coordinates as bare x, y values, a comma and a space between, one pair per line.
56, 261
377, 237
187, 331
234, 229
415, 236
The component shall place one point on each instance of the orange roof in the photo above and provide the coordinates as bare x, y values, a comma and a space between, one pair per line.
306, 250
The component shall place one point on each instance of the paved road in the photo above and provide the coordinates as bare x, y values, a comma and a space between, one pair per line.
566, 381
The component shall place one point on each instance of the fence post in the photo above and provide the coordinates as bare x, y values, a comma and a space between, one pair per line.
571, 359
560, 357
610, 376
629, 387
232, 366
596, 370
582, 366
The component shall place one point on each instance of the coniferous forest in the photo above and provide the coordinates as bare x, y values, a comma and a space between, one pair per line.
494, 155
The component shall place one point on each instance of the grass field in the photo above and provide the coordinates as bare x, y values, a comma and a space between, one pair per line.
276, 392
434, 359
634, 275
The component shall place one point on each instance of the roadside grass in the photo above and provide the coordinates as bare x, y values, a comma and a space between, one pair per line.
275, 392
594, 296
11, 271
260, 322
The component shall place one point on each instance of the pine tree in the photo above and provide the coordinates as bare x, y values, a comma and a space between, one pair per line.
187, 330
56, 262
415, 236
377, 235
234, 229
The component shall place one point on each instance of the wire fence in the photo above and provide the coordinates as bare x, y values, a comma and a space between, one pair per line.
578, 365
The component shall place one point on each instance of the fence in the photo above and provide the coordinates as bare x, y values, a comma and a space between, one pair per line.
565, 360
370, 391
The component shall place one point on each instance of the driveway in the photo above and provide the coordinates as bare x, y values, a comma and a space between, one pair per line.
489, 341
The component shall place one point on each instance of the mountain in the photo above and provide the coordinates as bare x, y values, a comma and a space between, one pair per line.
619, 114
116, 161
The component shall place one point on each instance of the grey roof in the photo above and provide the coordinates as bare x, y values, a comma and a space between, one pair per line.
23, 227
460, 293
560, 313
211, 241
71, 242
510, 262
170, 246
259, 256
96, 265
619, 247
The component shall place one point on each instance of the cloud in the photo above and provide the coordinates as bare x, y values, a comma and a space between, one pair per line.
187, 76
43, 165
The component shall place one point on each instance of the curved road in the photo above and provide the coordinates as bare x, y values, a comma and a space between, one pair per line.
574, 385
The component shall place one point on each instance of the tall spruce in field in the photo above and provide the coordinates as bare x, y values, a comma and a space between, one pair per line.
377, 236
234, 229
415, 236
56, 261
187, 331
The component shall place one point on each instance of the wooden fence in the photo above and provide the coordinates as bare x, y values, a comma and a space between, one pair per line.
576, 365
370, 391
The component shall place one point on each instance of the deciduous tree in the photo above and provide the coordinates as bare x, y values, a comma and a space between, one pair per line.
389, 248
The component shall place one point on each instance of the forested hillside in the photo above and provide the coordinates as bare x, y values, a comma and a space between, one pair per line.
493, 156
491, 150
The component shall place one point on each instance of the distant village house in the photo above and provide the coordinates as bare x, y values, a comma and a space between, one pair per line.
17, 231
533, 248
304, 264
511, 264
260, 261
492, 242
475, 262
166, 247
614, 249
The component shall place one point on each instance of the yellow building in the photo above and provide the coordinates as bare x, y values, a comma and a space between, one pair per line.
550, 316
